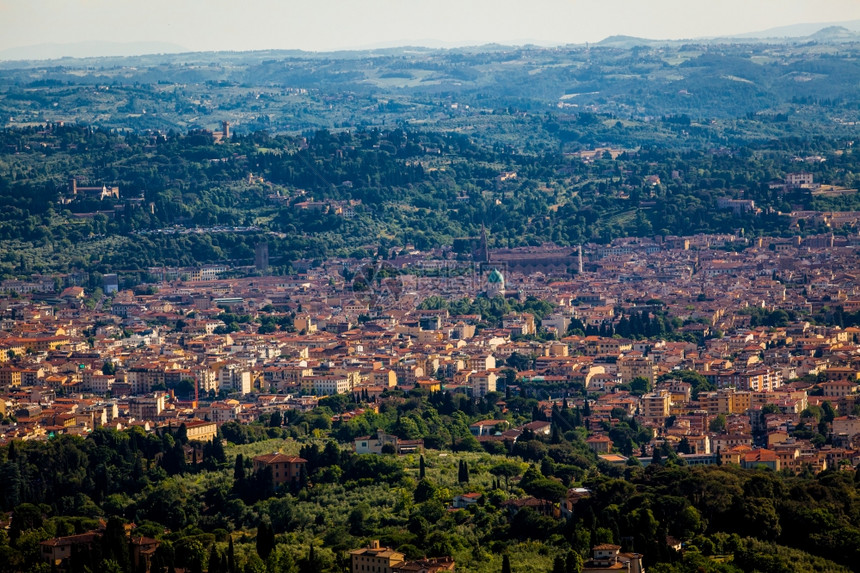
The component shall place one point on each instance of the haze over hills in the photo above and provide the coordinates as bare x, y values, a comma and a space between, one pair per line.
88, 50
847, 31
799, 30
822, 33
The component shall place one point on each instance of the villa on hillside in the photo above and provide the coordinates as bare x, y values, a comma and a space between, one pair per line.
386, 443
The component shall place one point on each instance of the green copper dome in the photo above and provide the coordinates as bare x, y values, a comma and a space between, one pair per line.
495, 277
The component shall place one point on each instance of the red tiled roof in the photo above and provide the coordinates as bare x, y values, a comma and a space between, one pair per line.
279, 458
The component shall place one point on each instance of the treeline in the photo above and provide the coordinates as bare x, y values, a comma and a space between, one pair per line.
718, 506
491, 310
424, 188
635, 325
768, 521
72, 474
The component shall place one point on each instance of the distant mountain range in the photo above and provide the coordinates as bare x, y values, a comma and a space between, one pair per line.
800, 30
823, 32
88, 50
800, 33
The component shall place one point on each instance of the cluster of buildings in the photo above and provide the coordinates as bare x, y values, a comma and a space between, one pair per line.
172, 355
378, 559
59, 550
98, 192
752, 428
169, 357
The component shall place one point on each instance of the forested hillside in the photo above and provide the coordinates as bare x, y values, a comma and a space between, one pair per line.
754, 91
402, 187
568, 145
205, 503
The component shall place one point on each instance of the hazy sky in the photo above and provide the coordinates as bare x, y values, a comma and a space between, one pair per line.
335, 24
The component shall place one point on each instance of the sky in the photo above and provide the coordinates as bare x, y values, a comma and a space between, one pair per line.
322, 25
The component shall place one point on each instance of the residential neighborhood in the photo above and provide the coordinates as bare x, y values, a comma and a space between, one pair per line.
619, 340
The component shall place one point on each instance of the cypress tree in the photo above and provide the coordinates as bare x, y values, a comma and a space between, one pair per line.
463, 472
635, 325
506, 564
421, 469
114, 544
218, 453
182, 434
214, 560
178, 458
276, 420
265, 539
303, 477
309, 564
231, 556
239, 468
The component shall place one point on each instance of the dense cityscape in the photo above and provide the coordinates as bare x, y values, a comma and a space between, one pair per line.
574, 309
678, 349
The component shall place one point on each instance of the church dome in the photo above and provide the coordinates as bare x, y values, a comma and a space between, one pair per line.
495, 277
